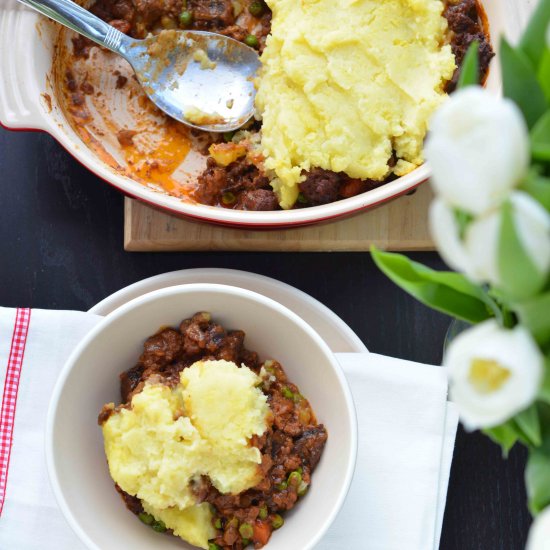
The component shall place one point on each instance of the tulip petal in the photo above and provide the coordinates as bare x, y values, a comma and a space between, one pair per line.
446, 234
533, 225
481, 245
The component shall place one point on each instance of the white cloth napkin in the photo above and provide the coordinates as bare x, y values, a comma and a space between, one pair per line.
407, 432
406, 438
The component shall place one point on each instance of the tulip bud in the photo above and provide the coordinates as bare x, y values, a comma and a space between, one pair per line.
478, 150
514, 256
494, 373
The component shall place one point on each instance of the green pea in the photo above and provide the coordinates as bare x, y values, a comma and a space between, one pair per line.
287, 393
298, 397
228, 198
256, 8
281, 486
213, 546
302, 488
148, 519
245, 542
218, 523
246, 530
277, 522
263, 512
186, 18
251, 41
300, 470
295, 478
302, 199
159, 526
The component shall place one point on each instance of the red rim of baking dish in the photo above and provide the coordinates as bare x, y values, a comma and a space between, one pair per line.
241, 225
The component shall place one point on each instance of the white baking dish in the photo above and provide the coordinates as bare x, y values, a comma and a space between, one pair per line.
28, 102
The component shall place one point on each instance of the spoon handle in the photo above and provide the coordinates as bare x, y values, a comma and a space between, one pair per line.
71, 15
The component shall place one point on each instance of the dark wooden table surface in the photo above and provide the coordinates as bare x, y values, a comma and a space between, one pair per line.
61, 248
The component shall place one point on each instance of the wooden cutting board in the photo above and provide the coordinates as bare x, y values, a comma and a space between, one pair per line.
399, 225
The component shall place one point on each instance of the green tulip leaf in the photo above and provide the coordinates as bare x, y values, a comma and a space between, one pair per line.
544, 73
520, 83
540, 138
507, 435
530, 427
537, 472
462, 219
520, 278
544, 391
525, 427
538, 187
469, 70
534, 315
504, 435
537, 480
533, 41
529, 423
445, 291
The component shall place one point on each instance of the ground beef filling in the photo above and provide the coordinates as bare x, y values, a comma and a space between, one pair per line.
466, 27
140, 17
291, 447
241, 185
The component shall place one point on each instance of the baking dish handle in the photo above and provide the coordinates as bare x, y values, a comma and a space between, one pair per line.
20, 108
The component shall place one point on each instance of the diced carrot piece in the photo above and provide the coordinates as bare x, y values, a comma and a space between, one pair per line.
262, 532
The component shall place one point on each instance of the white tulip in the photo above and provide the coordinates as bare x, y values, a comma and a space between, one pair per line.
539, 535
494, 373
476, 254
478, 149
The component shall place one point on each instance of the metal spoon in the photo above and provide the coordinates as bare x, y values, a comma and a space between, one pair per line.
202, 79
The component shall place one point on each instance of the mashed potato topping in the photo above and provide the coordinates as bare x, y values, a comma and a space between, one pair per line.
172, 436
193, 524
343, 84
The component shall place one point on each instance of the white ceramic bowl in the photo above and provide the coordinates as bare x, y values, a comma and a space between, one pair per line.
25, 65
74, 446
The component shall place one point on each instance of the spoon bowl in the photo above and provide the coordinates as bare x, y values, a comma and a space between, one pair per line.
203, 79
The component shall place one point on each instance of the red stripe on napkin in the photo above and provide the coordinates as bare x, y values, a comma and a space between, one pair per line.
9, 398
